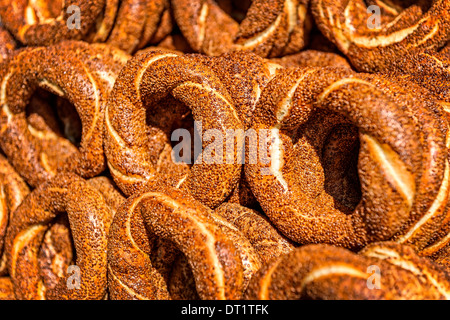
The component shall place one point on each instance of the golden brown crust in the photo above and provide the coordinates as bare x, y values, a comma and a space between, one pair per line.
55, 252
207, 242
407, 32
326, 272
388, 165
113, 197
157, 27
7, 44
142, 84
268, 242
270, 28
429, 214
89, 219
6, 289
23, 20
104, 23
85, 83
442, 257
13, 191
313, 58
430, 70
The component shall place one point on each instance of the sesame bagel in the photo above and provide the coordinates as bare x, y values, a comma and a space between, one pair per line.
85, 83
89, 219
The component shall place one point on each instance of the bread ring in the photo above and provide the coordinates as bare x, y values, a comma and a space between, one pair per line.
13, 191
144, 82
429, 221
30, 29
407, 32
326, 272
270, 29
305, 213
205, 240
85, 83
89, 219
